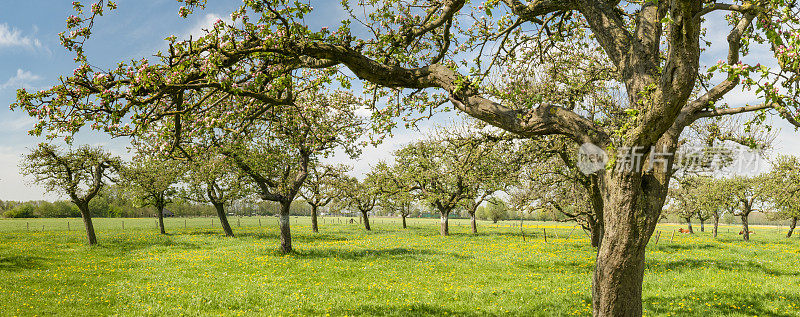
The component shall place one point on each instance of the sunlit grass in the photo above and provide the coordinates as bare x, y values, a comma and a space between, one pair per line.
390, 271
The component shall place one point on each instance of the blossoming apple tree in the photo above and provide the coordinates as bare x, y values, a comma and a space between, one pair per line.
79, 173
419, 55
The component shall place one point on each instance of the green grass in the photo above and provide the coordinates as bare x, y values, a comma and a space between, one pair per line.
390, 271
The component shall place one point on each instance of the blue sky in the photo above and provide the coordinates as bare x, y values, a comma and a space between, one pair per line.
31, 57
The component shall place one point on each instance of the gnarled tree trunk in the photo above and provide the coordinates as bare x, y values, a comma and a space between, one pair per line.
366, 220
473, 223
404, 220
87, 222
595, 220
745, 227
792, 225
702, 225
689, 223
283, 222
444, 229
595, 230
160, 209
716, 225
631, 209
223, 218
314, 223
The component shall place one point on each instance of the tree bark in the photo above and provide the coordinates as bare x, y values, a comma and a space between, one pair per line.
474, 224
404, 221
597, 237
161, 218
444, 228
223, 218
286, 232
630, 215
596, 231
702, 225
314, 223
716, 225
366, 220
689, 223
745, 228
595, 220
87, 222
792, 225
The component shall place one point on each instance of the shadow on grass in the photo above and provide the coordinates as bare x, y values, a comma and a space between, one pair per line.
305, 237
394, 253
421, 309
22, 262
404, 310
205, 233
756, 240
130, 245
561, 267
666, 246
692, 264
718, 304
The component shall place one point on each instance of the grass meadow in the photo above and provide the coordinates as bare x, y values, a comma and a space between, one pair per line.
389, 271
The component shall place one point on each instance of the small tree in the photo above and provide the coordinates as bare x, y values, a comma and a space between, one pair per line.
152, 181
361, 195
712, 203
79, 173
320, 188
394, 195
553, 182
750, 193
471, 207
784, 190
684, 199
456, 165
495, 210
212, 179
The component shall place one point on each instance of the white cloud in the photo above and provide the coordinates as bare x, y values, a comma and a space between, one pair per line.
23, 79
12, 37
371, 155
23, 123
205, 23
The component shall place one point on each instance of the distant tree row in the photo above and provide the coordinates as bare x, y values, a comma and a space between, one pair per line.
775, 193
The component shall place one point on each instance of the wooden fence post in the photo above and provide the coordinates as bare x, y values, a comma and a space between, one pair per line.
29, 226
123, 225
545, 234
67, 225
673, 236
